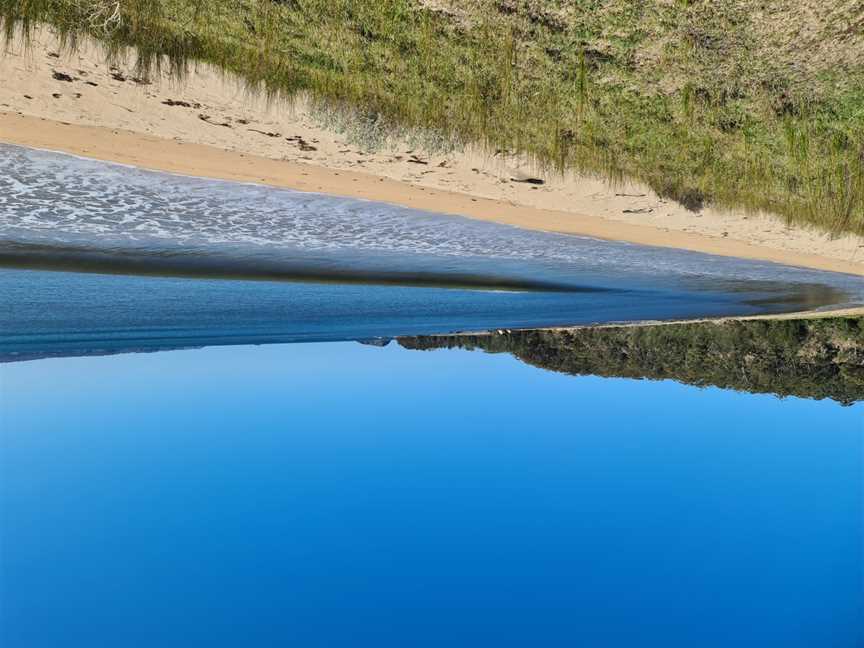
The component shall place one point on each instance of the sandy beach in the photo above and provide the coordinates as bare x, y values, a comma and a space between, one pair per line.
209, 125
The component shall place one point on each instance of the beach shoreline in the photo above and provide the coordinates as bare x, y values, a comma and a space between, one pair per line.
201, 160
207, 124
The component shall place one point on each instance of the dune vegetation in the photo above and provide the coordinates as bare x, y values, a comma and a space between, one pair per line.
739, 104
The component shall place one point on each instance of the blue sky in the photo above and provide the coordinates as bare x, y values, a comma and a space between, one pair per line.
339, 494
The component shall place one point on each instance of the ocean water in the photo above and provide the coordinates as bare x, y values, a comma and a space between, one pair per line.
338, 494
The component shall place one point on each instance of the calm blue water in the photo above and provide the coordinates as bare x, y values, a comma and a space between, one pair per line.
343, 495
63, 313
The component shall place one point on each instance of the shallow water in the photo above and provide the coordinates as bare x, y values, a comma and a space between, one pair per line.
346, 495
62, 313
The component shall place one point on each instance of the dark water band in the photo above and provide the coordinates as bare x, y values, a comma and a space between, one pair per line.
284, 267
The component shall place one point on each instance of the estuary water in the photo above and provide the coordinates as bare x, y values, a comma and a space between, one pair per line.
98, 256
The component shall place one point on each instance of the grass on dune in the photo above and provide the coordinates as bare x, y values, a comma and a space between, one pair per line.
727, 103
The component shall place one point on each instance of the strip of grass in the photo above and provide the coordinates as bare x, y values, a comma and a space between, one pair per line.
700, 100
